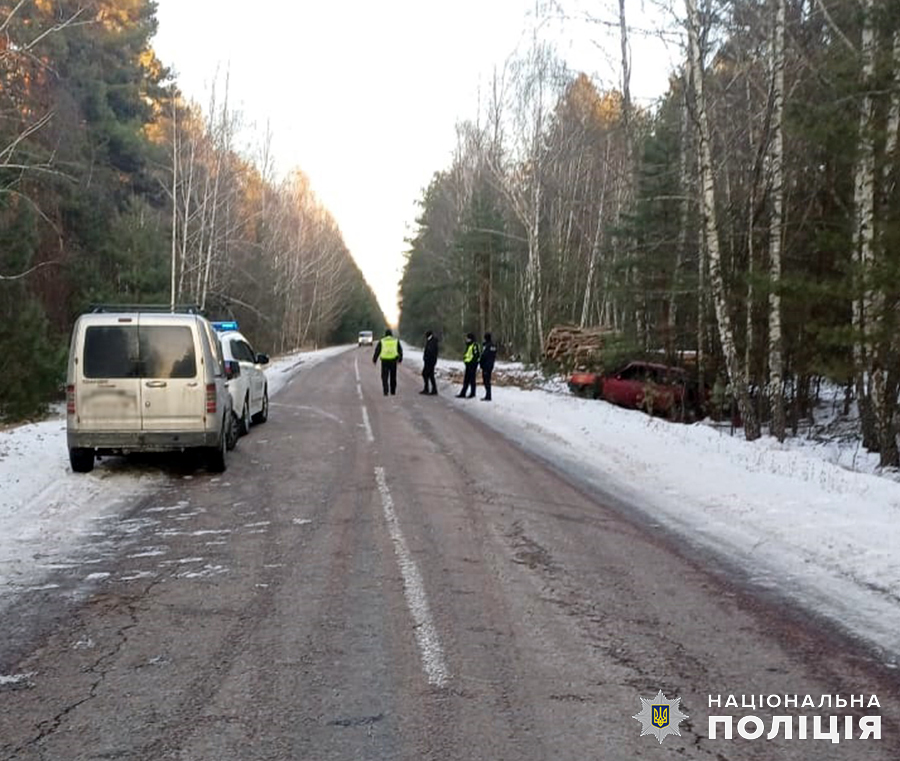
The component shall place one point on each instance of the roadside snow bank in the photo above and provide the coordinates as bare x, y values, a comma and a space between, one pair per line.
45, 509
281, 371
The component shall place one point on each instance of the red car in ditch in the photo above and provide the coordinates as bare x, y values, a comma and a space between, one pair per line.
655, 388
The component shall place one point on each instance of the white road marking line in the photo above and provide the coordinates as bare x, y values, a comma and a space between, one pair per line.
358, 379
414, 589
8, 679
370, 437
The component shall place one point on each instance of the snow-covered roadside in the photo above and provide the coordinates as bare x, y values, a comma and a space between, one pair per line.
282, 370
795, 521
46, 511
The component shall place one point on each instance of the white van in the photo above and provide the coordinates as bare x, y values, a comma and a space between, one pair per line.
146, 381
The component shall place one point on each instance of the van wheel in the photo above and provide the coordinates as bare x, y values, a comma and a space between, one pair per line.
81, 459
263, 415
215, 456
243, 422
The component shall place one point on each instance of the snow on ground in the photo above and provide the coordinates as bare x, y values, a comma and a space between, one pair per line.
793, 515
281, 371
47, 512
811, 520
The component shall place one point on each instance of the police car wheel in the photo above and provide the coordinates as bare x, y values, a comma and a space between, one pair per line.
243, 422
232, 436
263, 415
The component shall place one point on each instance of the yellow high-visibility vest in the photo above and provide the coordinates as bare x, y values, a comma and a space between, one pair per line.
471, 353
389, 348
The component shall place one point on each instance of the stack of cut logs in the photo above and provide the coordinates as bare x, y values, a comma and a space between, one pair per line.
498, 378
569, 347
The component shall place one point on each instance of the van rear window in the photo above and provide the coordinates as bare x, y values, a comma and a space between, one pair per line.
111, 352
158, 351
167, 352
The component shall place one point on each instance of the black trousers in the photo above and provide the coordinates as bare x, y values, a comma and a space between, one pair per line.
486, 380
428, 377
469, 379
389, 376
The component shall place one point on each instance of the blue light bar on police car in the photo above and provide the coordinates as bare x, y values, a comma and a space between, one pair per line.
224, 325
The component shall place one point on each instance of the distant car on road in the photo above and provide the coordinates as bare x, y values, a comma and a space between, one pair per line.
365, 338
249, 389
655, 388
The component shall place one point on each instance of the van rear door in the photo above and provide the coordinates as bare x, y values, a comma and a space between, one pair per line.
172, 394
106, 376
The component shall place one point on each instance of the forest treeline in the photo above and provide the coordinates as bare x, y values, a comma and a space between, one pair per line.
749, 220
114, 188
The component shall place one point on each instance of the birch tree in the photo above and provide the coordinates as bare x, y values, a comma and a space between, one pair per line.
736, 371
776, 232
864, 226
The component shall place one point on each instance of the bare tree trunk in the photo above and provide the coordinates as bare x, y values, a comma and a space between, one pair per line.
681, 246
701, 297
534, 281
595, 246
222, 147
736, 371
776, 223
174, 201
640, 296
201, 236
751, 244
187, 195
864, 232
207, 265
884, 382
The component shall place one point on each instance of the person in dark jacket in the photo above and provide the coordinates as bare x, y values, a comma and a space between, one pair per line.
429, 361
488, 355
391, 352
470, 360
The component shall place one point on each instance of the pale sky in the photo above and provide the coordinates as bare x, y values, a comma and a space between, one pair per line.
364, 96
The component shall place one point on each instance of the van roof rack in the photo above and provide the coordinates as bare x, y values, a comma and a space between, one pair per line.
181, 308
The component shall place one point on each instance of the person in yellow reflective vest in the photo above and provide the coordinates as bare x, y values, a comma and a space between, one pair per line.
470, 360
391, 353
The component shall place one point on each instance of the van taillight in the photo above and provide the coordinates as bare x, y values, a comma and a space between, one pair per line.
70, 399
211, 398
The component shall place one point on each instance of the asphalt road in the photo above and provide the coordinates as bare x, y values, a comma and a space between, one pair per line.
387, 578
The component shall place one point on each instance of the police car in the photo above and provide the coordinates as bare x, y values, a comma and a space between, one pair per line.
249, 389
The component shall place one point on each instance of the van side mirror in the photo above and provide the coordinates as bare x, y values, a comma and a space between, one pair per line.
262, 359
232, 369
